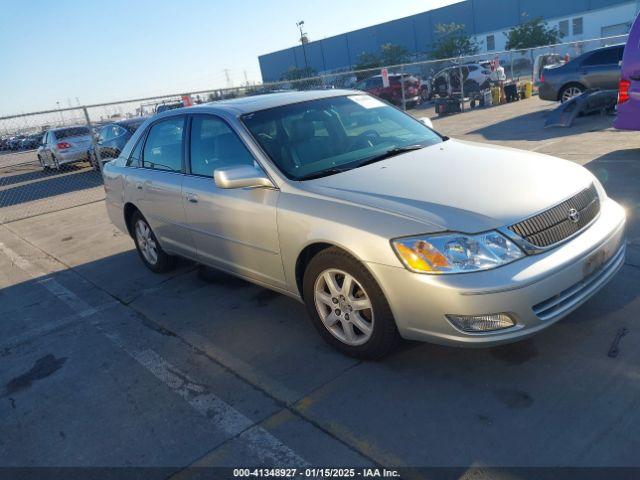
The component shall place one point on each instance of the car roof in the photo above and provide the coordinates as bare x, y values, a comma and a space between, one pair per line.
128, 121
241, 106
57, 129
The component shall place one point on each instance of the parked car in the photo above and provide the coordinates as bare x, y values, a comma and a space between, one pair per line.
629, 88
163, 107
596, 69
15, 142
496, 74
32, 141
64, 145
393, 93
475, 78
543, 61
383, 228
112, 137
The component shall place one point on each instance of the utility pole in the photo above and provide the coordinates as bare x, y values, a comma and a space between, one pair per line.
226, 74
303, 40
60, 111
246, 79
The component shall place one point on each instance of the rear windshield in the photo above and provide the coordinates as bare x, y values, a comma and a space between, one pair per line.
71, 132
132, 126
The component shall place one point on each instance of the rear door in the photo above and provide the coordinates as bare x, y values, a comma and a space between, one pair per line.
160, 180
601, 69
44, 151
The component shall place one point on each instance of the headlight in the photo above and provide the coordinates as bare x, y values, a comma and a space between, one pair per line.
456, 253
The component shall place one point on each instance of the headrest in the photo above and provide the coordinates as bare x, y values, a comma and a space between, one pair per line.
302, 130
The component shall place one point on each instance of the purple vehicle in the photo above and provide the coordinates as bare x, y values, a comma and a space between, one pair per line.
629, 91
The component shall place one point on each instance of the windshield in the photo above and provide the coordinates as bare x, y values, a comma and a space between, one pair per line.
330, 135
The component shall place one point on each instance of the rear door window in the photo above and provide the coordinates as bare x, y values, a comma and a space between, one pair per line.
603, 57
164, 145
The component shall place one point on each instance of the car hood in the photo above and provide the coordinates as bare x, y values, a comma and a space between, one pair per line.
458, 186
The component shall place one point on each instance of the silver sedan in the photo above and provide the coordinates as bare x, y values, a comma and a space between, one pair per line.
384, 228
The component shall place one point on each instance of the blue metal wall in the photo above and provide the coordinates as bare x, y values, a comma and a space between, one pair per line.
415, 33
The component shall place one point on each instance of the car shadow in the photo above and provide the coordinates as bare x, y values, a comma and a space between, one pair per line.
619, 173
45, 185
530, 126
12, 174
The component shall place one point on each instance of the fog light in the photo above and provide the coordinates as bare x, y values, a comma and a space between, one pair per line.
481, 323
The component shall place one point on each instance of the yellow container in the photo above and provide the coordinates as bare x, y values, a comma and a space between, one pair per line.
495, 94
528, 89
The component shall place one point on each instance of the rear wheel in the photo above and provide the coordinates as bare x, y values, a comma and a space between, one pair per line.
148, 247
347, 306
42, 164
56, 163
570, 91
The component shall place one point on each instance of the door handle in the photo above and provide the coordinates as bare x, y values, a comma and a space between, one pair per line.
139, 185
192, 197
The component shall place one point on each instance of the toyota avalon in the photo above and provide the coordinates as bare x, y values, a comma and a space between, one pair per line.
384, 228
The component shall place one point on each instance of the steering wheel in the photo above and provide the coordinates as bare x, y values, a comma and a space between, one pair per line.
368, 138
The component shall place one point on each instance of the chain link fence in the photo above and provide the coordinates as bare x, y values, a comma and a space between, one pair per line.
51, 160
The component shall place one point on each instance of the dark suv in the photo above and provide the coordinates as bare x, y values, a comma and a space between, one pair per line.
596, 69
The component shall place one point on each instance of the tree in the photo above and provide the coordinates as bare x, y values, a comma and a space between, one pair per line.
300, 78
367, 61
533, 33
453, 41
295, 73
391, 54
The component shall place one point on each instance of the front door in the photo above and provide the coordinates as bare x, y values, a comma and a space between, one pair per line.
233, 229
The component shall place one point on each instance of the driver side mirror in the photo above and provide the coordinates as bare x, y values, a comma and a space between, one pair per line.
426, 121
241, 176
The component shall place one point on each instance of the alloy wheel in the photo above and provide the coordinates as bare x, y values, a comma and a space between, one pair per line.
571, 92
344, 307
146, 243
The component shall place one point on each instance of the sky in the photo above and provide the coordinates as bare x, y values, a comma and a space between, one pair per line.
65, 51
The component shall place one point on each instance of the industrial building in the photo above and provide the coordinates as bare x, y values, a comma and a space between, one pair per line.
485, 20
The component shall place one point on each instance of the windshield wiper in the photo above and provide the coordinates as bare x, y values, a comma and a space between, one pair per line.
392, 152
324, 173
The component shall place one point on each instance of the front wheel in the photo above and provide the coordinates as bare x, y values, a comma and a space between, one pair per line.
150, 251
347, 306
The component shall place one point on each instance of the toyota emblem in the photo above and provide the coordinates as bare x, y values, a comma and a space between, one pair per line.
574, 215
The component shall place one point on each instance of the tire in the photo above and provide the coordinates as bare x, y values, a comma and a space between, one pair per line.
147, 243
471, 88
370, 332
569, 91
42, 164
56, 164
93, 160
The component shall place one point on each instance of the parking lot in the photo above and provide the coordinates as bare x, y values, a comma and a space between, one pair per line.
107, 364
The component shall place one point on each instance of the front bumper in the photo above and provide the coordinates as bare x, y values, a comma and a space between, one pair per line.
536, 291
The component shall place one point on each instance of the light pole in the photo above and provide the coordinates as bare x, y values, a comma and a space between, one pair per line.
60, 111
303, 41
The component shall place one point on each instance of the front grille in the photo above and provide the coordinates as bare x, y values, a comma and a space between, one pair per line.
553, 225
